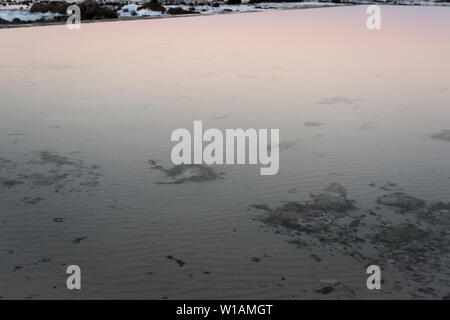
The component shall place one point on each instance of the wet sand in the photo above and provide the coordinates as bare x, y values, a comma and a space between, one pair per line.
363, 117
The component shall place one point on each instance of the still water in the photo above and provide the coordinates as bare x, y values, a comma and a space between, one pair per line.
84, 111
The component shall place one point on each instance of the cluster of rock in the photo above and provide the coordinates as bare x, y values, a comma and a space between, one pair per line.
417, 244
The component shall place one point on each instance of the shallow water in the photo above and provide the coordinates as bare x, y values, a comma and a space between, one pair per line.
108, 96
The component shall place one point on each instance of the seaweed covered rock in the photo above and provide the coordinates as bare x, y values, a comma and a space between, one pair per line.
401, 200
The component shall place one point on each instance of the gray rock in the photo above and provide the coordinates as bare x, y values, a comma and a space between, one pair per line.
332, 202
336, 188
401, 200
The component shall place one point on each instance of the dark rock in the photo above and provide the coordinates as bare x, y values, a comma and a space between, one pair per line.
54, 7
178, 11
179, 262
91, 10
153, 6
325, 290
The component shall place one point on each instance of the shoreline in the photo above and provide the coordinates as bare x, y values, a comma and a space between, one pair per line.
225, 11
121, 19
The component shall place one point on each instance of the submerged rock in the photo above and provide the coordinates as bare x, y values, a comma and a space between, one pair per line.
401, 200
400, 234
437, 213
336, 188
332, 202
191, 172
443, 135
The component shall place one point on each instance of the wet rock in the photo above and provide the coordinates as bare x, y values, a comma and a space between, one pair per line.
179, 262
191, 172
295, 206
443, 135
91, 10
325, 290
401, 200
179, 11
47, 157
153, 6
400, 234
336, 188
332, 202
54, 7
78, 240
437, 213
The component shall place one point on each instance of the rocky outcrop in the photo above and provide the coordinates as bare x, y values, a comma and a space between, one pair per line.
53, 7
179, 11
153, 6
91, 10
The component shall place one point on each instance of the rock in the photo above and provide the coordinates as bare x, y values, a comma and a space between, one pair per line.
91, 10
153, 6
401, 200
179, 262
178, 11
234, 2
54, 7
443, 135
78, 240
331, 202
336, 188
325, 290
294, 206
261, 206
400, 234
191, 172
